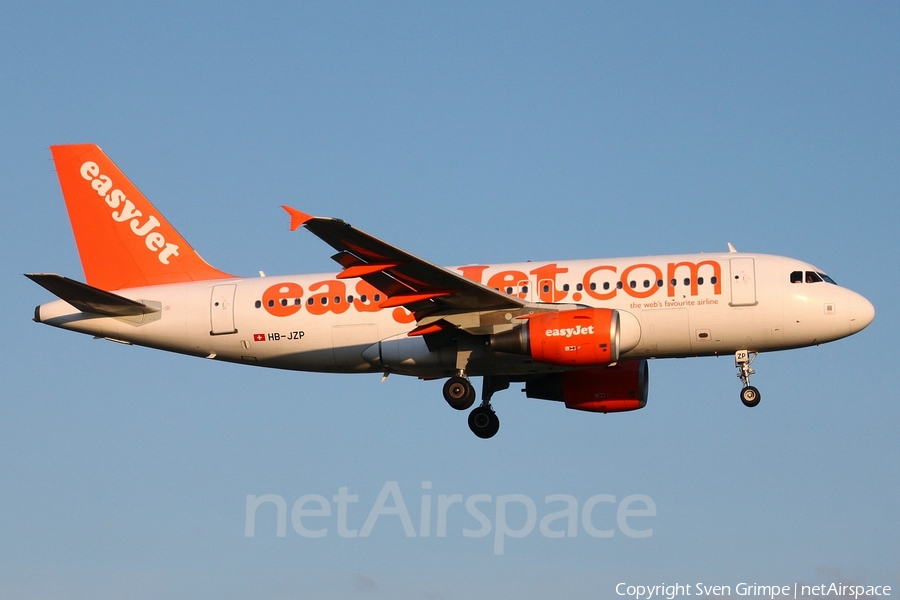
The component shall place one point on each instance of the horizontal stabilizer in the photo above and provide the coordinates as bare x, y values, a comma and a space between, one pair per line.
89, 299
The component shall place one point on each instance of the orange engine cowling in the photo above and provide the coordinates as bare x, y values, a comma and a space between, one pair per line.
601, 389
582, 337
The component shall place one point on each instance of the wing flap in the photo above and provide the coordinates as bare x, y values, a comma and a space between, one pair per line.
365, 269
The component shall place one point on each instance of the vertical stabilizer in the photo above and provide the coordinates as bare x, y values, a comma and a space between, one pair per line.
122, 239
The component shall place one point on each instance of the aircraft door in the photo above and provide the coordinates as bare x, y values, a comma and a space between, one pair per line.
221, 310
743, 282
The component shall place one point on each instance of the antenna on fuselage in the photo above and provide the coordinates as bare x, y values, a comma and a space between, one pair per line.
731, 248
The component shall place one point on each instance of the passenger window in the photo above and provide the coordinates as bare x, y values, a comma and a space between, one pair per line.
605, 285
699, 281
258, 304
713, 280
579, 287
687, 281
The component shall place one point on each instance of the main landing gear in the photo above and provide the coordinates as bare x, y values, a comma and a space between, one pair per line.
460, 394
742, 360
484, 422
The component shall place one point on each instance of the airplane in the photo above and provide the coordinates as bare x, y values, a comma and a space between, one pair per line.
579, 332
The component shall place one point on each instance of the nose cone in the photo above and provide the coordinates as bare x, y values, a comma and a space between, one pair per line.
861, 312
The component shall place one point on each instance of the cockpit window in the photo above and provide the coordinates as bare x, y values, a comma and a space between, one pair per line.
813, 277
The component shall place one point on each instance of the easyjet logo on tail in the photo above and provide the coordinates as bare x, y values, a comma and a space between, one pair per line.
124, 211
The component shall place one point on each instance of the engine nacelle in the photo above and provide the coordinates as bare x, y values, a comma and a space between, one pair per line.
582, 337
617, 388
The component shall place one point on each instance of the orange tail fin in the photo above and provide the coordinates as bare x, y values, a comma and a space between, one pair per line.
122, 239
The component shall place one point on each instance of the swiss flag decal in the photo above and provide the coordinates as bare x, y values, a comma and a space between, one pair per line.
259, 337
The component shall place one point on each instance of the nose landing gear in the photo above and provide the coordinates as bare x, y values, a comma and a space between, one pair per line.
742, 360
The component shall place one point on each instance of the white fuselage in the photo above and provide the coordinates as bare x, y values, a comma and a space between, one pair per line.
670, 306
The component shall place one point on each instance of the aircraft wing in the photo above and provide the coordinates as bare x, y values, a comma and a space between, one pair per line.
419, 286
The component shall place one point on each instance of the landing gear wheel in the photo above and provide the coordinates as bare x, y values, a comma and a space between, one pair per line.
483, 422
750, 396
459, 393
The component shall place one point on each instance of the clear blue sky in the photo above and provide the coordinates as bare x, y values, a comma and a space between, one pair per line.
463, 132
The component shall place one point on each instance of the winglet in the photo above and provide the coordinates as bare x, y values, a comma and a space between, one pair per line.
297, 218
